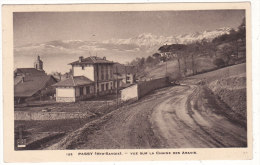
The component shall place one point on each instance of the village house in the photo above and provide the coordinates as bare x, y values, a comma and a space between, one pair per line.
126, 73
164, 56
91, 76
32, 83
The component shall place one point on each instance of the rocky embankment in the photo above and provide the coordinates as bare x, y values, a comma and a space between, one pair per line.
232, 91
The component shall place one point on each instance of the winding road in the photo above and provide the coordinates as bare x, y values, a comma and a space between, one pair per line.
187, 116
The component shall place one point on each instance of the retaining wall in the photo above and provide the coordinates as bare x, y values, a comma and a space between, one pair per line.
143, 88
65, 99
147, 86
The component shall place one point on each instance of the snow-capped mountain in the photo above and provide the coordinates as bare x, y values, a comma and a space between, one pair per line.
140, 42
197, 36
150, 40
120, 50
145, 39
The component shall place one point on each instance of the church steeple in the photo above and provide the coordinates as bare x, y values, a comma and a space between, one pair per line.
38, 64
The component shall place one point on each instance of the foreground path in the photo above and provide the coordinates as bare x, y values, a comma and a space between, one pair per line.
194, 119
173, 117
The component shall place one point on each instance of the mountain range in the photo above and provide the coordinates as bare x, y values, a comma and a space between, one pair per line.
61, 52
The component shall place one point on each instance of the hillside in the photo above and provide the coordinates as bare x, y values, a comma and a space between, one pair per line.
159, 70
234, 70
229, 85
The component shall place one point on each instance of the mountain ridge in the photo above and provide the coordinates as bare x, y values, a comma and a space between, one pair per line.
119, 50
144, 37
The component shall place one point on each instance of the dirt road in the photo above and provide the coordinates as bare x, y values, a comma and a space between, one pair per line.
173, 117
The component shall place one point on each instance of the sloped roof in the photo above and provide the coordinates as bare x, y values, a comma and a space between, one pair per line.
17, 79
30, 71
74, 81
31, 85
92, 60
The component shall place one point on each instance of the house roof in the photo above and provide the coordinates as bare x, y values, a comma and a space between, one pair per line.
17, 79
31, 85
30, 71
92, 60
74, 81
124, 69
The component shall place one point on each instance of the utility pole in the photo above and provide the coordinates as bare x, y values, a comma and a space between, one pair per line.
166, 68
116, 87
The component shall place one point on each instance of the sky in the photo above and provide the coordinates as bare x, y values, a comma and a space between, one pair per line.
37, 27
34, 29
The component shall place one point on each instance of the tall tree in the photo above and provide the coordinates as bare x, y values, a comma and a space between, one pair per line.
227, 52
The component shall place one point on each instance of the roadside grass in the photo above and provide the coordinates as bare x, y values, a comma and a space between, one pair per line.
221, 73
34, 131
229, 85
94, 106
232, 90
42, 133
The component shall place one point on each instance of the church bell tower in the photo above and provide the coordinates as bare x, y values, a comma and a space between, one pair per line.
38, 64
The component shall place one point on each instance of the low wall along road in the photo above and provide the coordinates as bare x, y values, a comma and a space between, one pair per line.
21, 115
139, 90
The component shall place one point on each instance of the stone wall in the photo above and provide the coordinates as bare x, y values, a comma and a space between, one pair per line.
65, 99
21, 115
147, 86
143, 88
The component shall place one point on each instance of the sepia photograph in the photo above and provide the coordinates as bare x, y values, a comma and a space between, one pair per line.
112, 80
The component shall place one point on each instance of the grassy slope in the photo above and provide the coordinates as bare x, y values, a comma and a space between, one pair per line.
222, 73
229, 84
159, 70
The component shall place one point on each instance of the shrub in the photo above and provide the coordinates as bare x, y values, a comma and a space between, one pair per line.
219, 62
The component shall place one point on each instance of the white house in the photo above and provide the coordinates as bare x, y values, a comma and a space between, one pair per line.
74, 88
92, 76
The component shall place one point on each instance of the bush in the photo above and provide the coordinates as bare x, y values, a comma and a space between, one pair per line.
219, 62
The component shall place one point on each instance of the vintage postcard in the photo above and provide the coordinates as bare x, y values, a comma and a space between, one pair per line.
127, 82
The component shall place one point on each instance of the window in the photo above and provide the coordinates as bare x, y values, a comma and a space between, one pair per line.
107, 72
102, 72
81, 91
102, 87
114, 84
107, 84
111, 73
88, 90
127, 79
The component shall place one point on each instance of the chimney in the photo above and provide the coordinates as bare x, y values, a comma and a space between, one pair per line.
104, 58
80, 58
